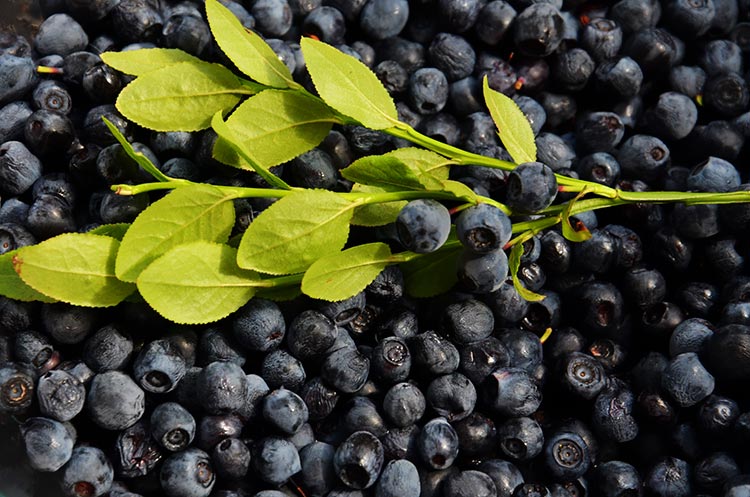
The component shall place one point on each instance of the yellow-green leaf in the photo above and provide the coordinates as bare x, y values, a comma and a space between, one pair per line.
514, 262
143, 60
512, 125
432, 274
375, 214
12, 286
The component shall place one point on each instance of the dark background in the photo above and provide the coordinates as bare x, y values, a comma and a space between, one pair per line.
19, 16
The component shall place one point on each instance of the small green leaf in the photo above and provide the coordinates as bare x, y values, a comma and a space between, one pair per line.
569, 232
200, 212
143, 60
432, 274
181, 97
384, 171
348, 85
295, 231
12, 286
375, 214
77, 268
460, 190
197, 283
227, 136
138, 157
276, 126
116, 231
246, 48
344, 274
424, 162
514, 262
512, 125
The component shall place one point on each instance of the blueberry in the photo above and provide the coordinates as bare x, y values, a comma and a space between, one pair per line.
480, 359
691, 335
114, 400
554, 151
437, 444
504, 474
275, 460
613, 409
391, 360
566, 456
538, 29
688, 80
13, 115
317, 474
532, 187
136, 21
313, 169
602, 38
172, 426
19, 168
453, 55
213, 429
689, 19
361, 414
188, 33
60, 395
404, 404
714, 471
107, 349
524, 348
231, 459
582, 375
399, 477
483, 228
53, 96
599, 132
643, 156
669, 477
494, 21
88, 473
48, 443
654, 49
116, 208
573, 68
17, 387
310, 335
482, 273
285, 410
48, 133
428, 90
717, 414
159, 366
345, 369
222, 387
432, 354
67, 324
686, 380
511, 392
137, 452
32, 348
727, 94
673, 117
469, 483
520, 438
273, 18
281, 369
327, 23
214, 346
714, 175
60, 34
506, 303
344, 311
187, 474
452, 396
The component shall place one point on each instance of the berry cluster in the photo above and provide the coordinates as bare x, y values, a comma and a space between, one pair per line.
628, 378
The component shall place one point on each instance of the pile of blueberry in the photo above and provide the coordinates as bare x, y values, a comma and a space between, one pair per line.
641, 389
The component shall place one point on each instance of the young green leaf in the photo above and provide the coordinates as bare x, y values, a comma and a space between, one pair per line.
116, 231
138, 157
227, 136
569, 232
200, 212
295, 231
246, 48
197, 283
432, 274
423, 162
12, 286
344, 274
375, 214
277, 126
181, 97
77, 268
459, 190
383, 171
143, 60
512, 125
348, 85
514, 262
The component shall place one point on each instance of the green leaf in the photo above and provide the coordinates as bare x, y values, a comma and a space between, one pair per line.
138, 157
12, 286
344, 274
384, 171
116, 231
279, 294
246, 48
141, 61
348, 85
295, 231
375, 214
200, 212
276, 126
77, 268
181, 97
227, 136
569, 232
514, 262
197, 283
423, 162
432, 274
512, 125
460, 190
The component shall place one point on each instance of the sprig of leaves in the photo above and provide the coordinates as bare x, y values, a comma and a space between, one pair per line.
178, 254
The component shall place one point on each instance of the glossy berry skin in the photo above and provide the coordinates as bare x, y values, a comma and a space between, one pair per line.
482, 273
273, 18
404, 404
479, 359
504, 474
582, 375
310, 335
714, 175
469, 482
172, 426
231, 459
346, 369
669, 477
433, 354
48, 443
381, 19
686, 380
361, 414
538, 30
428, 90
521, 438
159, 367
511, 392
468, 321
437, 444
317, 474
613, 410
60, 34
483, 228
616, 478
531, 187
18, 77
391, 360
88, 473
47, 132
398, 478
452, 396
423, 225
222, 387
566, 456
717, 415
358, 460
17, 387
137, 454
60, 395
187, 474
281, 369
327, 23
19, 168
285, 410
494, 21
343, 312
114, 401
107, 349
602, 38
